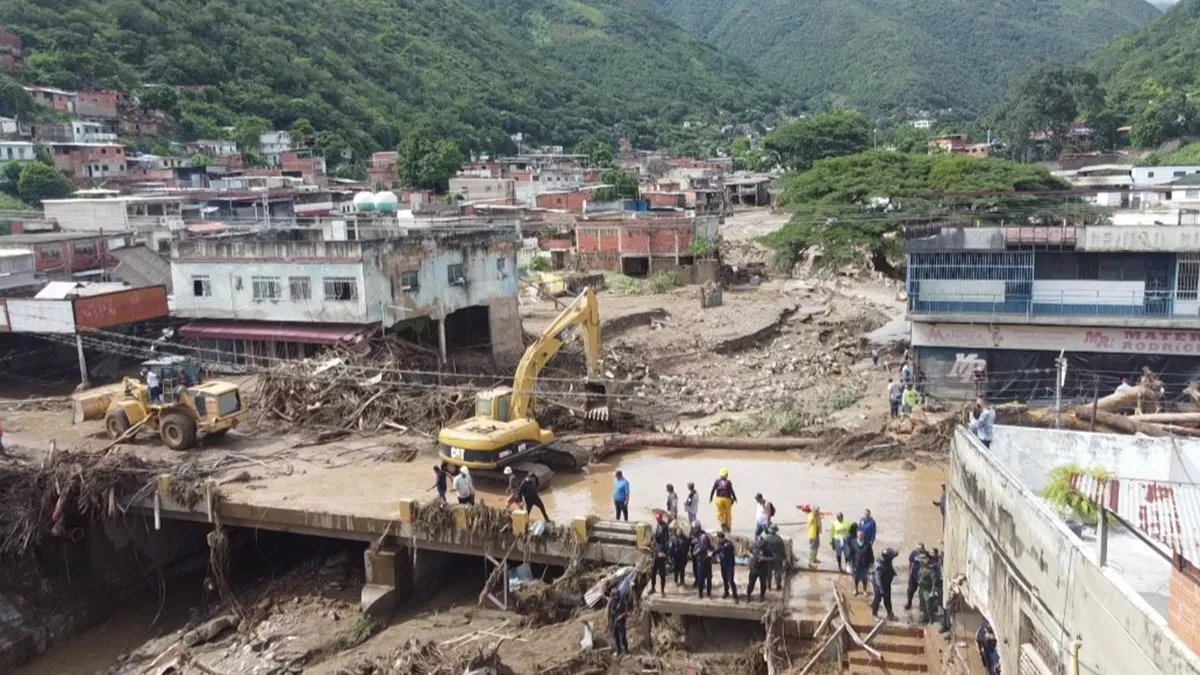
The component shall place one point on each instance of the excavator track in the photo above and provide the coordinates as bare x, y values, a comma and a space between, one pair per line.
566, 456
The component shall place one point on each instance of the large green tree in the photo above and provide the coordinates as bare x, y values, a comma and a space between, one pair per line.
830, 134
853, 205
426, 163
618, 184
40, 181
1043, 104
14, 100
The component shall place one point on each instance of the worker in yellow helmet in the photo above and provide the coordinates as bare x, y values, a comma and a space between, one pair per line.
722, 489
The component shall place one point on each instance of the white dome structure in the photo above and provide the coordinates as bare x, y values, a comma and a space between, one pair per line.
386, 202
364, 201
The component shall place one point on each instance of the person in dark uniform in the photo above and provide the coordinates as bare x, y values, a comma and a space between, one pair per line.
725, 555
760, 568
528, 492
702, 560
440, 480
618, 611
658, 549
914, 568
881, 583
677, 553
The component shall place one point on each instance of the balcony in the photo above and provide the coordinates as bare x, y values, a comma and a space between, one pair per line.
1040, 302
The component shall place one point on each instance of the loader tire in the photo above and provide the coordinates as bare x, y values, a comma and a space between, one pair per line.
178, 431
116, 423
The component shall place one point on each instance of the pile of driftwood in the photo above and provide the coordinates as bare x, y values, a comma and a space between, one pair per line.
59, 494
391, 384
1139, 409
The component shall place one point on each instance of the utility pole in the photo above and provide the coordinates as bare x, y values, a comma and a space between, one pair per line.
1095, 401
83, 373
1060, 378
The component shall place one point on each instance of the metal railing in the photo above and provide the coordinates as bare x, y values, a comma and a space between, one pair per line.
1097, 303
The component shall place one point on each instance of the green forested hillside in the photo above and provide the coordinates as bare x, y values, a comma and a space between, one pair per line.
884, 55
1162, 58
475, 70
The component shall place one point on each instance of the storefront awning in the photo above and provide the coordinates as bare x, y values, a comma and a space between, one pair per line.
271, 331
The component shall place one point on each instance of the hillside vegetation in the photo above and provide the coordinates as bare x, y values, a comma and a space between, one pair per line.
474, 70
1157, 62
885, 55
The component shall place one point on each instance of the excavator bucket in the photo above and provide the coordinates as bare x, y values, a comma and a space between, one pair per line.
595, 405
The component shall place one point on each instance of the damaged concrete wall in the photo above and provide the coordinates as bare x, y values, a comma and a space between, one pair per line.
455, 272
1038, 584
229, 285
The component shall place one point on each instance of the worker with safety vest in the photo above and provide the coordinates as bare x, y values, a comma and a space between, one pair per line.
722, 490
839, 532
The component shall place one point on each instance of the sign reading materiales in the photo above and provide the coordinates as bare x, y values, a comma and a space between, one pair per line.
1055, 338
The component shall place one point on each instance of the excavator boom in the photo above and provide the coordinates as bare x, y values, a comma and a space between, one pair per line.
583, 314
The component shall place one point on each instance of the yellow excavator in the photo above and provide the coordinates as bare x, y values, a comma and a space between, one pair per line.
503, 431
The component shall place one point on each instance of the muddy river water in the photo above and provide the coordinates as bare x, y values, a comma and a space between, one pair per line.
900, 500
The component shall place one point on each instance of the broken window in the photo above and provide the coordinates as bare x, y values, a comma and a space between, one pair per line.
500, 266
410, 280
300, 288
341, 288
456, 274
84, 248
266, 288
50, 252
201, 286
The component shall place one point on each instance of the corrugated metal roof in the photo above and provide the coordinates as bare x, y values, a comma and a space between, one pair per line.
1165, 511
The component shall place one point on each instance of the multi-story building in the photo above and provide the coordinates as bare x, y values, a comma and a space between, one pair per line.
83, 131
303, 163
290, 295
272, 145
381, 170
993, 307
641, 244
488, 190
89, 161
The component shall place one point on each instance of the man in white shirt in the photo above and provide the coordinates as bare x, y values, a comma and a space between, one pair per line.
464, 487
762, 514
1124, 386
155, 387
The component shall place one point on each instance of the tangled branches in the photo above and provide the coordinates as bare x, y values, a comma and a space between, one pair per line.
435, 519
387, 385
40, 499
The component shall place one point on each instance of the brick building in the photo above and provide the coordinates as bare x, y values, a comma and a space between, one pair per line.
640, 246
303, 163
381, 170
58, 99
565, 200
11, 52
89, 161
97, 104
64, 255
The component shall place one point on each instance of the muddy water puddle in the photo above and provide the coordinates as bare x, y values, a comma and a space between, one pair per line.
901, 501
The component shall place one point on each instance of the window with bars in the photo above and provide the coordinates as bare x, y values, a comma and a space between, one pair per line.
341, 288
266, 288
1188, 277
201, 286
300, 288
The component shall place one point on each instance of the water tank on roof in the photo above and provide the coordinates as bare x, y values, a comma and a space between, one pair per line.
386, 202
364, 201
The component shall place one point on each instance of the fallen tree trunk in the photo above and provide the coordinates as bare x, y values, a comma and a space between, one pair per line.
1170, 418
1121, 423
625, 442
1130, 398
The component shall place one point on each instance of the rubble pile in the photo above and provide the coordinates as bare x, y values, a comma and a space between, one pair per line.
53, 497
391, 384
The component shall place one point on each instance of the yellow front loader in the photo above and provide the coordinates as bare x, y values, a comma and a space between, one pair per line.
181, 417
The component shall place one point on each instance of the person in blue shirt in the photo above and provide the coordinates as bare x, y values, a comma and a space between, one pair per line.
867, 526
621, 495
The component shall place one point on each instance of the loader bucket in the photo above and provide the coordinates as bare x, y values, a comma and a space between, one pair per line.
596, 402
93, 403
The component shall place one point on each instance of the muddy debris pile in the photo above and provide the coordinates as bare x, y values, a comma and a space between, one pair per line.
388, 384
57, 496
424, 657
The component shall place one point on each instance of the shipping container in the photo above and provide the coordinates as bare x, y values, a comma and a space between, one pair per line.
41, 316
122, 307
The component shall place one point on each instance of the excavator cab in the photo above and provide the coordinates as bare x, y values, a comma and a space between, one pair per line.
494, 404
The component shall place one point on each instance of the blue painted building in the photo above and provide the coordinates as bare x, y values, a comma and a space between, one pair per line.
1008, 300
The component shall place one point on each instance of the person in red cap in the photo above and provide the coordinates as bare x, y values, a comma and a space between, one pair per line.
658, 548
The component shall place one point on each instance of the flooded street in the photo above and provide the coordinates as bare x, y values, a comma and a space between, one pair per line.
901, 501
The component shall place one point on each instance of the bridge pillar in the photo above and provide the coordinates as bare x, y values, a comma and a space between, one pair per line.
389, 576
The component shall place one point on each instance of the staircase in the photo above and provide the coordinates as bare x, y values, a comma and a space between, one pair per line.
902, 647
